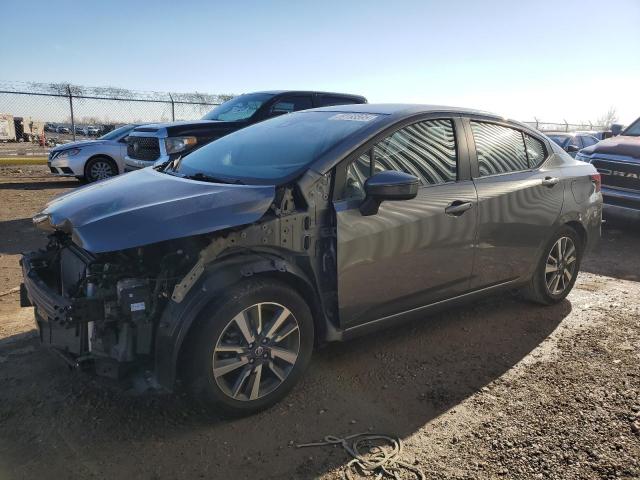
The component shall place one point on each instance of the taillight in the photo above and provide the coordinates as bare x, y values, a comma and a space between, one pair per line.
597, 181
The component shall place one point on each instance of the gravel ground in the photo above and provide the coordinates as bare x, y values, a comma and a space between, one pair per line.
497, 389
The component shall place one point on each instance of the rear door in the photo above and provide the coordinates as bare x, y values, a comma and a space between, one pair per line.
411, 253
519, 200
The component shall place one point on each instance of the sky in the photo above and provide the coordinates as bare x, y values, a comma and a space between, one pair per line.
551, 60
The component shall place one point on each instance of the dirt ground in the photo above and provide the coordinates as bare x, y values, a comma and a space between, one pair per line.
497, 389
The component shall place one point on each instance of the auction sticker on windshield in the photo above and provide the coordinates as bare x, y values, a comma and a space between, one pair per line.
355, 117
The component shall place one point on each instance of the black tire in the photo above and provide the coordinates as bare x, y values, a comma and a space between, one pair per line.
217, 320
538, 290
99, 168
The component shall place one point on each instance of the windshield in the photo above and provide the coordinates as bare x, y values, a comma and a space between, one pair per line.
633, 129
238, 108
561, 140
117, 133
273, 149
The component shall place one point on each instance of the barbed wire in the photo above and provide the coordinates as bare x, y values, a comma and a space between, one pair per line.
65, 89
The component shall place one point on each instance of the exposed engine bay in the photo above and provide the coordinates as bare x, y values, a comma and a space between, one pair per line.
109, 303
106, 311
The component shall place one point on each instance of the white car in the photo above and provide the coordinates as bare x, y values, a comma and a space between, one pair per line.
91, 160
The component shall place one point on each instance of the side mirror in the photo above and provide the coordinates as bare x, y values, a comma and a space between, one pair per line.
388, 185
572, 148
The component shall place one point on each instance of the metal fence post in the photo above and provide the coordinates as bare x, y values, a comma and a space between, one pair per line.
73, 122
173, 108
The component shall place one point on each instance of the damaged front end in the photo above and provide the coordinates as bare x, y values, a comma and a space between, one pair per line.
100, 310
129, 309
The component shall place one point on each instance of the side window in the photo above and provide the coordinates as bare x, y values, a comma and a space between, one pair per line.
357, 173
588, 140
291, 104
536, 153
500, 149
425, 149
329, 100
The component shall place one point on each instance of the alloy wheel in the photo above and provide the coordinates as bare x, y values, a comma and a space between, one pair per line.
256, 351
560, 266
101, 169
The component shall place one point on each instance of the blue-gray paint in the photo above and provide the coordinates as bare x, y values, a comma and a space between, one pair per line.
147, 206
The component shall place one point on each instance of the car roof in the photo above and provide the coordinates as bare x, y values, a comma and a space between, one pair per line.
390, 114
400, 110
299, 92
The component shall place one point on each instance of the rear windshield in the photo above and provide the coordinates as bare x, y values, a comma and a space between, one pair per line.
274, 149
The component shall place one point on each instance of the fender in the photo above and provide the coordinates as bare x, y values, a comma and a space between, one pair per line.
178, 318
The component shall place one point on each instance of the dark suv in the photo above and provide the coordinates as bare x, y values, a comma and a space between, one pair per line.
227, 267
618, 161
148, 145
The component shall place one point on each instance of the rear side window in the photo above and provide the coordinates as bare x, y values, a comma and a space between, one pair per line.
291, 104
330, 100
536, 153
500, 149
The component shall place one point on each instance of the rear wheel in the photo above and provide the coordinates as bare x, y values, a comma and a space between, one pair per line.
557, 269
251, 348
99, 168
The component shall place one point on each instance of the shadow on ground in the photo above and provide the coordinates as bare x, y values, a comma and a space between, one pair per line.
57, 424
39, 185
19, 236
616, 254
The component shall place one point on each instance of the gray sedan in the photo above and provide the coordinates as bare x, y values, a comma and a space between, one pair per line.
91, 160
223, 269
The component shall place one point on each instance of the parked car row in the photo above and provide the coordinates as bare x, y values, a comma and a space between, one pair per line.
257, 236
572, 142
87, 130
617, 159
138, 146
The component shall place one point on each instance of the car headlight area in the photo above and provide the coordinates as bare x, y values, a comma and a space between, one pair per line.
179, 144
68, 162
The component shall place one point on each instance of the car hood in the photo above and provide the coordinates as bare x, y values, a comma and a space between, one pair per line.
621, 145
147, 206
78, 144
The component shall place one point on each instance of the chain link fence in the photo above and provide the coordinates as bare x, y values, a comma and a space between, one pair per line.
36, 116
566, 127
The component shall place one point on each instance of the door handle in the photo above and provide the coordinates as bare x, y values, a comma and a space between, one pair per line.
457, 208
550, 181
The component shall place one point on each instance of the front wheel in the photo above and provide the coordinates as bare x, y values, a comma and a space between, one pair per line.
557, 268
100, 168
251, 348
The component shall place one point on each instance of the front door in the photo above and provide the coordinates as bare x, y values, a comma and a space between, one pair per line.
413, 252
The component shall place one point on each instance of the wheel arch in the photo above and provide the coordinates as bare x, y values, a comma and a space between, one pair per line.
580, 230
100, 155
179, 321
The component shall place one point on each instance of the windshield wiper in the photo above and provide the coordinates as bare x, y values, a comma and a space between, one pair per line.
203, 177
